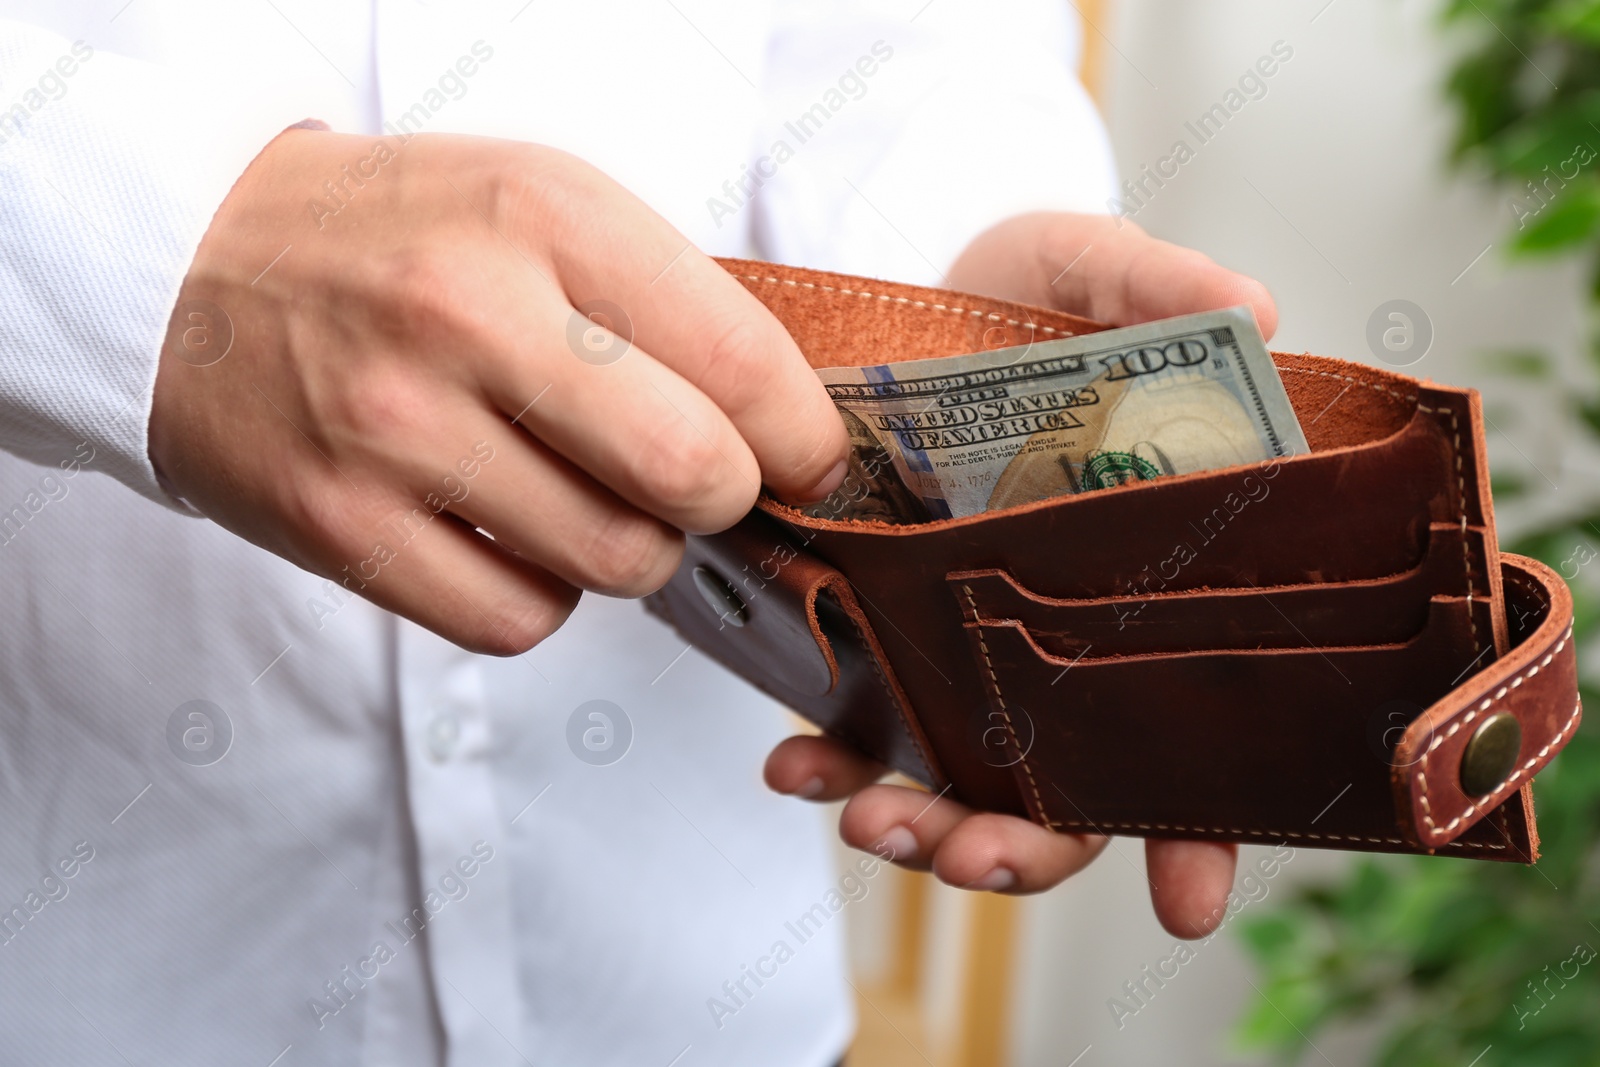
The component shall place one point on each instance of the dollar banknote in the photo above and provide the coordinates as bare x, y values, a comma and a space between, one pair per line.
958, 435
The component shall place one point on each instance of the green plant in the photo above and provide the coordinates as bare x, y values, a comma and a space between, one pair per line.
1464, 963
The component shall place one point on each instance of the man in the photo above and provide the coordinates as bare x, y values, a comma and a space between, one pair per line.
265, 264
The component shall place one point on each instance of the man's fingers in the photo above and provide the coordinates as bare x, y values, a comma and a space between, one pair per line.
1160, 280
819, 768
1105, 269
552, 514
698, 320
899, 824
1189, 883
1124, 276
1007, 854
916, 830
632, 423
444, 576
972, 851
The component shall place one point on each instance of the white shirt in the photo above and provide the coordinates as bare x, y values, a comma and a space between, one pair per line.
364, 845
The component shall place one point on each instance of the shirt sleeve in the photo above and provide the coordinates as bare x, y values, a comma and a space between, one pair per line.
110, 172
897, 131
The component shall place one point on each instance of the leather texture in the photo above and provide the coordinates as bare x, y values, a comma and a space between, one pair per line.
1298, 650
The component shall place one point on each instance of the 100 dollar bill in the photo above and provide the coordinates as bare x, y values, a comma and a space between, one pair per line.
958, 435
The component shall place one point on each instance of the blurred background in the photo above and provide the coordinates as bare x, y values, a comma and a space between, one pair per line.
1352, 178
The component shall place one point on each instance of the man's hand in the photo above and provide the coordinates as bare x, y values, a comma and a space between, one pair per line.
384, 351
1118, 275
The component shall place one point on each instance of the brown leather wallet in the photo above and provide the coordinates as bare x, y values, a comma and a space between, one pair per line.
1328, 650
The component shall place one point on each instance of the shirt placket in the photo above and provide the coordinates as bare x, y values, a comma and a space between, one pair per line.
465, 910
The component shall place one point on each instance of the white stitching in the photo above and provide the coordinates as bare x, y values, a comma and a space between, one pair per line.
1461, 477
1005, 713
1466, 550
1455, 431
1053, 823
1504, 788
1353, 381
907, 301
1472, 623
1221, 830
894, 702
1268, 833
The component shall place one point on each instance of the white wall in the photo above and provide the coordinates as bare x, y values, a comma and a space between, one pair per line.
1351, 207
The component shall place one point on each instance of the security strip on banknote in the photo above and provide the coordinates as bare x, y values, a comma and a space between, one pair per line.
959, 435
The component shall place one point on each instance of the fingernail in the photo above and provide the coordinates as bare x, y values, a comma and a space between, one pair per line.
898, 843
812, 787
995, 881
830, 481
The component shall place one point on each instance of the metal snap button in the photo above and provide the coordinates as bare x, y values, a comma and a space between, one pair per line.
720, 596
1491, 754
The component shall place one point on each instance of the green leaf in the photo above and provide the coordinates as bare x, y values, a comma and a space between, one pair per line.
1270, 937
1507, 485
1517, 363
1553, 146
1571, 218
1437, 951
1284, 1009
1579, 19
1479, 87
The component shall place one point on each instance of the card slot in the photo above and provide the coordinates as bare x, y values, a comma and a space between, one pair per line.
1376, 611
1219, 739
1442, 615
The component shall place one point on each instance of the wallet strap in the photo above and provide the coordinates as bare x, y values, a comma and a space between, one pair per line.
1535, 683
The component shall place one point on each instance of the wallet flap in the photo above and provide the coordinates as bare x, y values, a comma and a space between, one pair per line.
756, 601
1470, 751
761, 591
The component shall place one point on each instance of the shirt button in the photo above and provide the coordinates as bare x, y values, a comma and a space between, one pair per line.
443, 734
